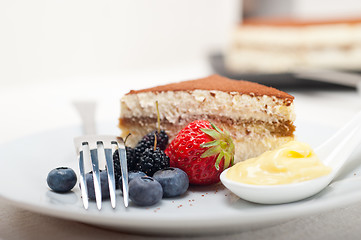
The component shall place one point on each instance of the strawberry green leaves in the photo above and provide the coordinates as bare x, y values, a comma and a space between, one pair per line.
222, 146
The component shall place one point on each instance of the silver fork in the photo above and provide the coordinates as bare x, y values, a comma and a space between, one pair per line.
99, 143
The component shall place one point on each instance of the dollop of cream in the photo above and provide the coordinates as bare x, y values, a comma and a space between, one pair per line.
293, 162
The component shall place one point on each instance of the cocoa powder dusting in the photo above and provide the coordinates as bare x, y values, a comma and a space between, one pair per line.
219, 83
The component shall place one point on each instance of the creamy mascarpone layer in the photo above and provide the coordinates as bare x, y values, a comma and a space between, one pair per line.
174, 106
322, 36
252, 147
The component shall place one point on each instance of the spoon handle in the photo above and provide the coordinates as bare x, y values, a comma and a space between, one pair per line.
86, 110
324, 149
340, 146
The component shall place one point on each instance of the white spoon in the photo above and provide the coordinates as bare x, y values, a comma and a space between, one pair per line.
333, 153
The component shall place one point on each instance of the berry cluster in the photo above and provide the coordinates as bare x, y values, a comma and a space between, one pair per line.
148, 155
198, 155
150, 178
145, 190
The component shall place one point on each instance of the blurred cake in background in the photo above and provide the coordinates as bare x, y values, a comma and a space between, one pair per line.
262, 45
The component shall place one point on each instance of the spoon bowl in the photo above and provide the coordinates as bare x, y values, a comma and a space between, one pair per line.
275, 194
333, 153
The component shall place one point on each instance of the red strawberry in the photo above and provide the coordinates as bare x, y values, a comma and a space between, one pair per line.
202, 150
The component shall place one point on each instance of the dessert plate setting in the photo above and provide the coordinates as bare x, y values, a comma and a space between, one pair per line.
201, 210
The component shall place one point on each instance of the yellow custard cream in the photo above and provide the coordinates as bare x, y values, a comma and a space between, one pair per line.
291, 163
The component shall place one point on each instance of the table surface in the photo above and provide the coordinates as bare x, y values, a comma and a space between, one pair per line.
34, 107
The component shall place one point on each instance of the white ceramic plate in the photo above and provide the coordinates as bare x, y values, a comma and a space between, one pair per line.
26, 163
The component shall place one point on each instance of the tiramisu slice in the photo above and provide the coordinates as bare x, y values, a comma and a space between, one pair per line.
283, 45
259, 118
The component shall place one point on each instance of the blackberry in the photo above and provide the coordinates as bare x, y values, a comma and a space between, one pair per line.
130, 159
117, 169
130, 162
152, 160
148, 140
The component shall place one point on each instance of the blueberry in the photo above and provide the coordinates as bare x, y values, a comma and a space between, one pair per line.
174, 181
61, 179
131, 176
145, 191
103, 183
135, 174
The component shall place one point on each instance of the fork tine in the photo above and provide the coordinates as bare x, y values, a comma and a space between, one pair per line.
96, 179
102, 154
124, 168
83, 186
96, 150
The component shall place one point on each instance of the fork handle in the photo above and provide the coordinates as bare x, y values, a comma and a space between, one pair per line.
86, 110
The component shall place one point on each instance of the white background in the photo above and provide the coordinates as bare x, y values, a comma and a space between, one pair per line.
53, 40
44, 40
